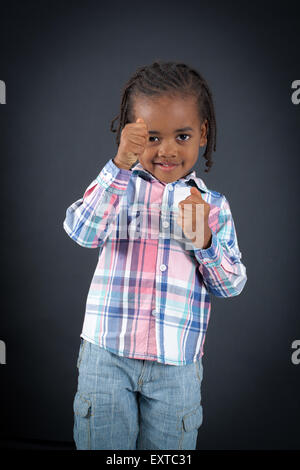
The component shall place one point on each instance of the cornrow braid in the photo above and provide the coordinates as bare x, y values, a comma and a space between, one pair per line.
173, 78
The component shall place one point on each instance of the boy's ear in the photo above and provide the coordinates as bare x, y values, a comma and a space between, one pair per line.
203, 133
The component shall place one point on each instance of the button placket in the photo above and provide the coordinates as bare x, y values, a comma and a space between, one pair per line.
165, 212
165, 215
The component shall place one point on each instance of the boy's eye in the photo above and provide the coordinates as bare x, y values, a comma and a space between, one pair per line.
180, 135
185, 135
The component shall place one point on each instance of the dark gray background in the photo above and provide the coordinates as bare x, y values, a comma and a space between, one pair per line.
64, 64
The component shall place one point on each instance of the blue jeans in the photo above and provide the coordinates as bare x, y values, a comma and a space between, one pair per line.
125, 403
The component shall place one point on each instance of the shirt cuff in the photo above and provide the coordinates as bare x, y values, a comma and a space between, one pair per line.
212, 255
114, 178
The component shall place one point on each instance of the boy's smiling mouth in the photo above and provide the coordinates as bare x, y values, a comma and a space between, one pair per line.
166, 166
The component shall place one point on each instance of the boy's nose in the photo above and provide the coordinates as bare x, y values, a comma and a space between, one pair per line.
167, 151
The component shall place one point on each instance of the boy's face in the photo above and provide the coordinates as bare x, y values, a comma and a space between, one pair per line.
166, 117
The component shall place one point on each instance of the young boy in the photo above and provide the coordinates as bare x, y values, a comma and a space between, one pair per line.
166, 243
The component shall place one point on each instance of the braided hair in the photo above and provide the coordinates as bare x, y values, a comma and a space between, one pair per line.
172, 78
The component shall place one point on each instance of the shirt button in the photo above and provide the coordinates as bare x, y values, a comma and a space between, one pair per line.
170, 187
153, 313
163, 267
165, 224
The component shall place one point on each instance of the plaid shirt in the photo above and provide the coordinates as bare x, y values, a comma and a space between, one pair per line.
149, 297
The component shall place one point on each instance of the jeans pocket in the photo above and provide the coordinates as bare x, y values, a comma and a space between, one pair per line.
82, 412
81, 349
199, 370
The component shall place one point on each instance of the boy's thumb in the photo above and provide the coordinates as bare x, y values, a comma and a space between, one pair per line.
195, 191
140, 120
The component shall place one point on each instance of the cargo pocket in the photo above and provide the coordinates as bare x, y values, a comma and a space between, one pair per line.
192, 421
82, 412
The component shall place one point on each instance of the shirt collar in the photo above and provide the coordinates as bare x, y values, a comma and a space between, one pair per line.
191, 178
